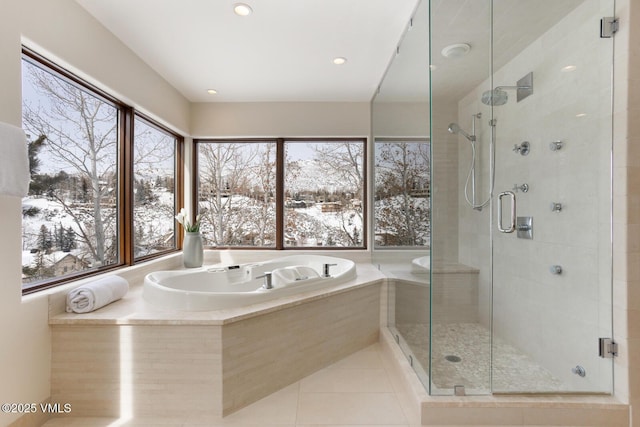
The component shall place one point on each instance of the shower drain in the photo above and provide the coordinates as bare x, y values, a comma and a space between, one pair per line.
452, 358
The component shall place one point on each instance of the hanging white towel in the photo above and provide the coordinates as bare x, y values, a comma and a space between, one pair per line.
14, 161
96, 294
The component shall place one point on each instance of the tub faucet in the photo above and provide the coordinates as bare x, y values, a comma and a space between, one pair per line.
267, 280
325, 270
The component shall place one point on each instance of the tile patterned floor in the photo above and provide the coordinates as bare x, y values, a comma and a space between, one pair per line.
356, 391
513, 370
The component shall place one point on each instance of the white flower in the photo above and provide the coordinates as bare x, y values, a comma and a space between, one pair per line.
182, 219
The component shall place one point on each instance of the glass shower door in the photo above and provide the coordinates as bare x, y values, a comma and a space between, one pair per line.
460, 335
551, 261
521, 136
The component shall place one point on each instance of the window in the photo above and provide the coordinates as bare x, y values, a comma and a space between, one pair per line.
402, 193
154, 188
236, 193
284, 193
81, 152
324, 193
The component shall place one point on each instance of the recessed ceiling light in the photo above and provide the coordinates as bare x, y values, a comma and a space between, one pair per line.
568, 68
212, 91
581, 115
339, 60
242, 9
457, 50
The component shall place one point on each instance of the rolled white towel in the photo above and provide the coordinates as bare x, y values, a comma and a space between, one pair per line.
96, 294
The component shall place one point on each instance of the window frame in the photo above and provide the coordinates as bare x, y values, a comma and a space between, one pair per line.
177, 187
383, 140
125, 198
280, 189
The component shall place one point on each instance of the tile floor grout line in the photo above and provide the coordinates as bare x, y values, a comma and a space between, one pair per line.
395, 392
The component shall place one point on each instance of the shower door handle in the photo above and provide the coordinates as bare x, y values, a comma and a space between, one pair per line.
512, 223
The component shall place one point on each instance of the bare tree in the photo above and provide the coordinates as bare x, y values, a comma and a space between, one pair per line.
402, 174
152, 150
154, 162
265, 176
344, 162
81, 137
228, 173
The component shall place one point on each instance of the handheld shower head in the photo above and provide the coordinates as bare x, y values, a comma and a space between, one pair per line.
455, 129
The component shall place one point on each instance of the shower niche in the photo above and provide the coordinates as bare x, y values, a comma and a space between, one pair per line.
483, 319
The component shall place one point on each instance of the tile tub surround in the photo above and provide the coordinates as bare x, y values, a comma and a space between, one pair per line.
361, 381
131, 358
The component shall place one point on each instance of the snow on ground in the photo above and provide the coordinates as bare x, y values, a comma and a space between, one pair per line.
154, 217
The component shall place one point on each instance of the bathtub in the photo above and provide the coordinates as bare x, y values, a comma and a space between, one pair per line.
230, 286
420, 265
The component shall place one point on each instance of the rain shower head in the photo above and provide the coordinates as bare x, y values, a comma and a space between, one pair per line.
495, 97
498, 96
455, 129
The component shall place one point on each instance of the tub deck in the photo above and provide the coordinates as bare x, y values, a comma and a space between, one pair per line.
134, 310
135, 358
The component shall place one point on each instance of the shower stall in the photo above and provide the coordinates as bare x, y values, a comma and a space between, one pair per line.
514, 100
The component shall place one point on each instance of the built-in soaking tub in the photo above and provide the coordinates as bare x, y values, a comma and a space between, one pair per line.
220, 360
224, 287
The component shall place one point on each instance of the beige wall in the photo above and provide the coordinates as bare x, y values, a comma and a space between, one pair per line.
400, 119
61, 30
68, 35
280, 119
626, 205
445, 189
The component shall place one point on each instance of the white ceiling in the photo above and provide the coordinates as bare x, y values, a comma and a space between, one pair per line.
516, 24
283, 51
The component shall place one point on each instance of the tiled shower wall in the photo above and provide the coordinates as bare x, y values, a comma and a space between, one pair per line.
531, 306
626, 205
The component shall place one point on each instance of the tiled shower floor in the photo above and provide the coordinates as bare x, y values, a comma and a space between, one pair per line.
513, 370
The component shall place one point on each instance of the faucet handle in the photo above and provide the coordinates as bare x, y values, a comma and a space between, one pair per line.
267, 280
325, 269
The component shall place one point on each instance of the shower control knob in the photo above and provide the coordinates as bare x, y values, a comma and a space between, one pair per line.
523, 187
556, 145
556, 269
522, 148
579, 370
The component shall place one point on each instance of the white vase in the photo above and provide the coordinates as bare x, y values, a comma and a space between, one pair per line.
192, 250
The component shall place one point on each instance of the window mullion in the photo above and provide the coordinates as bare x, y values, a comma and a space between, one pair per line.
280, 162
126, 185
